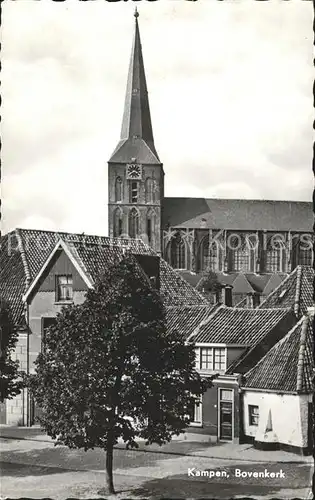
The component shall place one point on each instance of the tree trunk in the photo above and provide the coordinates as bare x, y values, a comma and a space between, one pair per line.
109, 469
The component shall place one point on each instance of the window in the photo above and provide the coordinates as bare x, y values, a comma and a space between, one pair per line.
206, 359
253, 414
274, 255
240, 254
64, 288
133, 223
149, 190
133, 192
46, 323
208, 255
196, 412
305, 253
178, 253
118, 189
118, 223
219, 359
150, 225
211, 358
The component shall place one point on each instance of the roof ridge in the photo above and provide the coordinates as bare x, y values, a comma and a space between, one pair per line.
301, 355
204, 322
277, 287
274, 347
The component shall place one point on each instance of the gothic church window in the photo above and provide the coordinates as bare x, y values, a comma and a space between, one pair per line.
208, 255
178, 253
150, 225
133, 223
304, 253
118, 189
118, 223
274, 255
239, 249
149, 190
133, 192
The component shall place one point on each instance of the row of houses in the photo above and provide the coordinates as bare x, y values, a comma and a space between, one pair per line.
262, 353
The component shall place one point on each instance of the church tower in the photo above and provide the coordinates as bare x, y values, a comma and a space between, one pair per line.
135, 173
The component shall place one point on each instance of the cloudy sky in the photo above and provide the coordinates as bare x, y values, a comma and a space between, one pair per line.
230, 87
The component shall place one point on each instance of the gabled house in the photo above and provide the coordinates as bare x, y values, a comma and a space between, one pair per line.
42, 271
221, 340
295, 291
277, 393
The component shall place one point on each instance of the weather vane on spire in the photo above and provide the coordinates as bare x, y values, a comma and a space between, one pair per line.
136, 14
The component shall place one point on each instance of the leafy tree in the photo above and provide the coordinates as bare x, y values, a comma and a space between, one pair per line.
110, 370
11, 383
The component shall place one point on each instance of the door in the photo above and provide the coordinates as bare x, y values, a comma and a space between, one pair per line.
226, 414
3, 413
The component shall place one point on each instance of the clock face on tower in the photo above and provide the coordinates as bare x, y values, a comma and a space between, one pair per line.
134, 171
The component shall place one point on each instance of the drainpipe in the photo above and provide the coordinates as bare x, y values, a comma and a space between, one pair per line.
28, 402
240, 380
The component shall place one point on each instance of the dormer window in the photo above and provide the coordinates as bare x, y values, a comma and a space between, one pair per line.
64, 288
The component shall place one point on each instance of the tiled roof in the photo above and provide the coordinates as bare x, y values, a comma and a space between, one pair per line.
186, 319
229, 214
288, 366
12, 278
24, 252
244, 327
241, 282
295, 291
176, 291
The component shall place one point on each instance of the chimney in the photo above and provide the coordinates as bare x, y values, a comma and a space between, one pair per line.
252, 300
227, 295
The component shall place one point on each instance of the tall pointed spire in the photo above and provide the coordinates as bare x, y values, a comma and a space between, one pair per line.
136, 138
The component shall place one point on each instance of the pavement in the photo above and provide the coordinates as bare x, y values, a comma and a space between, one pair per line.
35, 468
181, 445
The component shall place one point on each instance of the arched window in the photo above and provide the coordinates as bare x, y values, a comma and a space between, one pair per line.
208, 256
304, 253
118, 189
149, 190
178, 254
150, 225
133, 223
274, 255
239, 253
118, 222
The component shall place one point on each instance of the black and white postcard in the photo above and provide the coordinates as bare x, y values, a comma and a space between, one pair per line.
156, 258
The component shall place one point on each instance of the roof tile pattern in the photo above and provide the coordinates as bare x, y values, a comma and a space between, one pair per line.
244, 327
176, 291
288, 366
229, 214
295, 291
186, 319
93, 254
